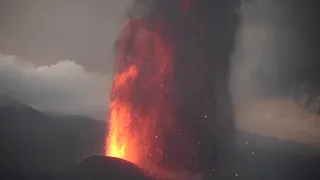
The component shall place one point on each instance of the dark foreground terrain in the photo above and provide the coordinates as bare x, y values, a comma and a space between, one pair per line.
95, 168
36, 145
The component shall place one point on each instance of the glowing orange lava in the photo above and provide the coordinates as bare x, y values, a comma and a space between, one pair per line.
141, 98
119, 139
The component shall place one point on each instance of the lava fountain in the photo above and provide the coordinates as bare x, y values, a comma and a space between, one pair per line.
142, 103
169, 101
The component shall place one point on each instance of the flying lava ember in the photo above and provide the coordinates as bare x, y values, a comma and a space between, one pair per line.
161, 100
141, 87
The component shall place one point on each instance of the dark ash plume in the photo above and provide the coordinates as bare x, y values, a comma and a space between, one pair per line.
202, 34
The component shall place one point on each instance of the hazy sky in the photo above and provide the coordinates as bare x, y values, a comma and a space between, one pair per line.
60, 52
67, 43
45, 31
269, 42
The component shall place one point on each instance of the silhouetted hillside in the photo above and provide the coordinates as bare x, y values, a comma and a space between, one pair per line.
101, 167
34, 142
247, 140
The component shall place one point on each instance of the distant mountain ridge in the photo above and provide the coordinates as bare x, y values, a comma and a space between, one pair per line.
6, 101
32, 141
255, 141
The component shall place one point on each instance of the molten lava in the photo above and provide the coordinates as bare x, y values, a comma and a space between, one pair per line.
170, 107
142, 103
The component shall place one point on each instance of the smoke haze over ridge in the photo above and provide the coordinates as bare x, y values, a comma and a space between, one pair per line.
63, 88
264, 28
269, 70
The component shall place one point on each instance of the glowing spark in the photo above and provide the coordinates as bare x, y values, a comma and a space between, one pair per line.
133, 133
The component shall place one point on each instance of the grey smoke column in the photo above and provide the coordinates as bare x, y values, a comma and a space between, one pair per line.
202, 34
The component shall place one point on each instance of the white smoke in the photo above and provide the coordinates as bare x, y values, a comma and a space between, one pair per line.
64, 87
261, 42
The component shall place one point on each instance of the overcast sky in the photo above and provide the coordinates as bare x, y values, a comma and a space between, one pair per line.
46, 31
60, 52
69, 48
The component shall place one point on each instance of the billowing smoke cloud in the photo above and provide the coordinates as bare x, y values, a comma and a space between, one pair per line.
201, 39
269, 65
64, 87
